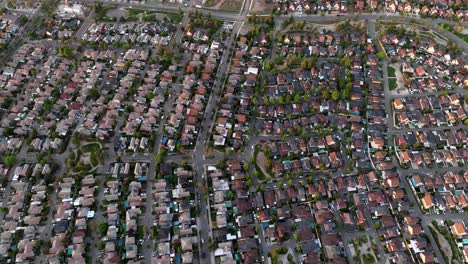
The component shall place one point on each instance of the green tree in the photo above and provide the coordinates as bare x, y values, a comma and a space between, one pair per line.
230, 195
346, 61
94, 93
381, 55
268, 65
65, 52
150, 95
335, 95
102, 228
10, 160
325, 93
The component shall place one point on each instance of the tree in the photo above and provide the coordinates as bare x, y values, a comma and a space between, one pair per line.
377, 225
381, 55
10, 160
94, 93
102, 228
230, 195
211, 243
23, 20
335, 95
346, 61
150, 95
280, 100
268, 65
297, 98
65, 52
325, 93
47, 105
308, 63
161, 155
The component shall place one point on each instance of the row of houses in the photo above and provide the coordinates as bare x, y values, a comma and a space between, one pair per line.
173, 207
440, 192
433, 111
8, 28
231, 214
435, 9
183, 123
154, 33
104, 111
37, 98
25, 211
147, 102
74, 209
425, 65
232, 123
456, 232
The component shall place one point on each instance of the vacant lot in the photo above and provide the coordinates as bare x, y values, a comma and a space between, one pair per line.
228, 5
262, 6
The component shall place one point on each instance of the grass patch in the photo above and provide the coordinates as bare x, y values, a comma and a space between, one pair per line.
451, 29
152, 15
462, 36
135, 11
391, 71
232, 5
368, 258
91, 147
392, 84
211, 3
173, 17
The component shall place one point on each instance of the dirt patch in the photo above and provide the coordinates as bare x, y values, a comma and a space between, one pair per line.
229, 5
216, 4
444, 244
117, 13
262, 6
315, 27
261, 159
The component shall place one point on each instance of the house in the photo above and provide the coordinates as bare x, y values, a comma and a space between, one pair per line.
398, 104
426, 257
458, 229
427, 201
